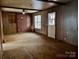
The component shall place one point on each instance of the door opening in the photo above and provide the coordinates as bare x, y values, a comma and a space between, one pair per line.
51, 24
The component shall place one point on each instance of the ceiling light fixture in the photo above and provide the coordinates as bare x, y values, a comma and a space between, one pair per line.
23, 11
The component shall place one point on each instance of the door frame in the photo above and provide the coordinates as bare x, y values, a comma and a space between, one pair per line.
55, 23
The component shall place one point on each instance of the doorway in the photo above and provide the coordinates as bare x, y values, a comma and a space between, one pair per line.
51, 24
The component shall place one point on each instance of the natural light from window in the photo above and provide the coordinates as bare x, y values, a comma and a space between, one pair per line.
38, 21
51, 18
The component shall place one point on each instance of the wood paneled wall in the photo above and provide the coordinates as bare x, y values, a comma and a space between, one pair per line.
66, 22
1, 35
9, 22
16, 22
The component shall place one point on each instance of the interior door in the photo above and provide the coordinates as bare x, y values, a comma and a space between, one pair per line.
51, 24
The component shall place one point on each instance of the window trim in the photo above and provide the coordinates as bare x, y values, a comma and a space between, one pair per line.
37, 21
53, 19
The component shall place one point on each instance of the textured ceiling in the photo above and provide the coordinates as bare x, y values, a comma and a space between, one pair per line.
61, 0
30, 4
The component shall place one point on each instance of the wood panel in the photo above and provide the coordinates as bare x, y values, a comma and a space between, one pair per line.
1, 35
66, 22
9, 22
28, 4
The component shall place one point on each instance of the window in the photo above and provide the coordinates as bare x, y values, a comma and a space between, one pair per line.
38, 21
51, 18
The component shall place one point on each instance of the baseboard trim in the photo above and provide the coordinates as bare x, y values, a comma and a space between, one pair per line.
55, 39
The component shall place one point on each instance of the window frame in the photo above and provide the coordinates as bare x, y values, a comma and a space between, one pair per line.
53, 20
37, 18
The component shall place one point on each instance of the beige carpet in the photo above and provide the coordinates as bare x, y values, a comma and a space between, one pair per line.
17, 53
33, 46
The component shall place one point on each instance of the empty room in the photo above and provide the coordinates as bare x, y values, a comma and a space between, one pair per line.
38, 29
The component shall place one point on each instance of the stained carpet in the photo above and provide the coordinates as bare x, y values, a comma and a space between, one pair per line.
34, 46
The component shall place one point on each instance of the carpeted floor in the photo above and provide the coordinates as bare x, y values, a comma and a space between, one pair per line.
34, 46
17, 53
